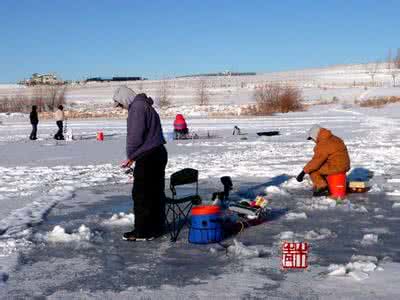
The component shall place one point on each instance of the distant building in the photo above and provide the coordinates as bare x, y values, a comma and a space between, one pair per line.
100, 79
43, 79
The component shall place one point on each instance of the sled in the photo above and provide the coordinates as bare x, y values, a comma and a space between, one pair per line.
268, 133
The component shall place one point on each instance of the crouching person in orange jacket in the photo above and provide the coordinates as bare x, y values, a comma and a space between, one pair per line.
330, 157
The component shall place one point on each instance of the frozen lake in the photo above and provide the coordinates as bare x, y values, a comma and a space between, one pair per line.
49, 190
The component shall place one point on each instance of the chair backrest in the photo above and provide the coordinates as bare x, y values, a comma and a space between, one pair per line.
182, 177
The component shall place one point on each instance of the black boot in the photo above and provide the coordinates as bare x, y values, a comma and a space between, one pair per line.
322, 192
133, 236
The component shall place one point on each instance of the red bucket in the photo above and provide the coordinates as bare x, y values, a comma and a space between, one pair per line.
100, 136
337, 185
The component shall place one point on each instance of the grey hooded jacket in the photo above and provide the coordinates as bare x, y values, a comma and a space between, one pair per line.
143, 125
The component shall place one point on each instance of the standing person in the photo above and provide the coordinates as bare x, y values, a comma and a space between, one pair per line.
144, 146
180, 127
59, 115
330, 157
33, 116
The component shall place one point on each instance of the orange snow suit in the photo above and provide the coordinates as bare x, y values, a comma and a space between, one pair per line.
330, 157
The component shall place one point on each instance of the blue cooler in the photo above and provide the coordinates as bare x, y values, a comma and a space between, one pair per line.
205, 225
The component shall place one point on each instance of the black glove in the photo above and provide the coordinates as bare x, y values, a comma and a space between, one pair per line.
300, 177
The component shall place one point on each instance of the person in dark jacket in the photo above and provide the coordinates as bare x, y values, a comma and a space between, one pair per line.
144, 147
34, 122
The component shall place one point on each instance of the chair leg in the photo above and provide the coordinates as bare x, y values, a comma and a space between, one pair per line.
178, 213
185, 217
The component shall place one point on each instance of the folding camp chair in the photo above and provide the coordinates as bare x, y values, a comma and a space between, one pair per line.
178, 209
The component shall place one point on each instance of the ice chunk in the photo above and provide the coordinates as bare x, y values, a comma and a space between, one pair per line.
294, 216
363, 266
368, 258
340, 270
361, 208
369, 239
58, 235
273, 189
322, 234
396, 205
377, 230
121, 219
240, 250
395, 193
358, 275
286, 235
213, 250
393, 180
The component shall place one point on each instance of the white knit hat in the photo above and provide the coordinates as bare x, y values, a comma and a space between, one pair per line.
313, 132
123, 96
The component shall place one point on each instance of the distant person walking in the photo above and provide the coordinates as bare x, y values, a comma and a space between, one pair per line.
144, 147
34, 122
59, 116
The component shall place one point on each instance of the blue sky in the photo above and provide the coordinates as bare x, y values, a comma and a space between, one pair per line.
155, 39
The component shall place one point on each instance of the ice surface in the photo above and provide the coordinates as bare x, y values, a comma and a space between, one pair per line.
52, 177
